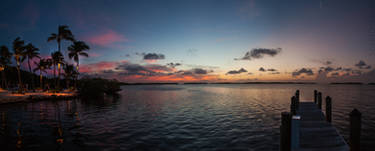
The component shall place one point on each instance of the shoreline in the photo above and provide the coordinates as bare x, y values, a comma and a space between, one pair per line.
7, 97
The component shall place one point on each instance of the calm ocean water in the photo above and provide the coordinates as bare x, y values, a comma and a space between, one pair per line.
177, 117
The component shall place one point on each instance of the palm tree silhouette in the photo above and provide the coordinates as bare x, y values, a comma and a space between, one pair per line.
42, 66
63, 33
19, 51
78, 49
5, 60
69, 73
30, 53
57, 59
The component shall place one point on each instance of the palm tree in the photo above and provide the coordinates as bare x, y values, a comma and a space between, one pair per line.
78, 49
30, 53
69, 73
42, 66
63, 33
5, 60
57, 59
19, 51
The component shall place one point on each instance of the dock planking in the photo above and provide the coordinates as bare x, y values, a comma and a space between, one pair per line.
306, 128
315, 132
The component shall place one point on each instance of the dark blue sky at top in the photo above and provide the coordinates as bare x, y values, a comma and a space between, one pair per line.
218, 30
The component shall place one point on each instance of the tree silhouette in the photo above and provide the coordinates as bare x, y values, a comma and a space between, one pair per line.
69, 73
19, 52
57, 59
78, 49
42, 66
5, 60
63, 33
30, 53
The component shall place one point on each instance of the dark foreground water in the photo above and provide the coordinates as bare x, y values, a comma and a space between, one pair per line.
177, 117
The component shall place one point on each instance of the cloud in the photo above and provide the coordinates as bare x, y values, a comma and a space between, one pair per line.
258, 53
272, 70
200, 71
262, 69
242, 70
305, 71
265, 70
153, 56
98, 67
327, 63
362, 65
173, 65
106, 38
275, 73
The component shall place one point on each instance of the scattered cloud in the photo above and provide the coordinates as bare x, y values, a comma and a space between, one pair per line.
275, 73
272, 70
327, 63
262, 69
242, 70
106, 38
305, 71
173, 65
153, 56
362, 65
258, 53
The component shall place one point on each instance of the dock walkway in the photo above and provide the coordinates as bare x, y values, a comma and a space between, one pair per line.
315, 132
307, 128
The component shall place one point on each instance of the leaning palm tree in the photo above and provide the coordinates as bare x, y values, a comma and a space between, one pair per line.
57, 59
5, 60
69, 73
31, 53
78, 49
19, 53
42, 66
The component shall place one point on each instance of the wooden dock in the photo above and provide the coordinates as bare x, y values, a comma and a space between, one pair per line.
307, 128
315, 132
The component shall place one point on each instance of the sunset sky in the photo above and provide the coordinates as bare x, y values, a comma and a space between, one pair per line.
213, 41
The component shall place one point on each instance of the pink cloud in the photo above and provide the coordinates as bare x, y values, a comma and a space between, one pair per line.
94, 54
99, 66
106, 38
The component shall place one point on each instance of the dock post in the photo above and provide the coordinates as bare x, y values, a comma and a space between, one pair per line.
293, 105
297, 98
285, 127
329, 109
319, 100
295, 132
297, 95
355, 130
315, 96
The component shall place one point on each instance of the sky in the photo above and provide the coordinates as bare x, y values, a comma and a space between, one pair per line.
205, 41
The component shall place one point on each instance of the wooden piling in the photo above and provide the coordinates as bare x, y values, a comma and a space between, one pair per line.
328, 109
297, 95
355, 130
319, 100
315, 96
293, 105
285, 131
297, 99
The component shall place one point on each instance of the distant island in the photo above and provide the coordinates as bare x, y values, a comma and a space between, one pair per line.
187, 83
347, 83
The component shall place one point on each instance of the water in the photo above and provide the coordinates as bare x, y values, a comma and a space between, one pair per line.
178, 117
